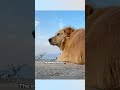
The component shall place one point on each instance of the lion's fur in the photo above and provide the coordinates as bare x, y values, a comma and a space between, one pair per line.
103, 49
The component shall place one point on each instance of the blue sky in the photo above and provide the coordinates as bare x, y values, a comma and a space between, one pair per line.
59, 84
47, 23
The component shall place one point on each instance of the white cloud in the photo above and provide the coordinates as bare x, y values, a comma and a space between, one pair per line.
61, 24
36, 23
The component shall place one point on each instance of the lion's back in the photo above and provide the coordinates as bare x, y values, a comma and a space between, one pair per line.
103, 49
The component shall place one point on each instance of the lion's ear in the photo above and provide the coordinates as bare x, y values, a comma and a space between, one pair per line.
88, 10
68, 31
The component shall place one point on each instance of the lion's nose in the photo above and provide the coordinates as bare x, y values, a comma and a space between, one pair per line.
49, 40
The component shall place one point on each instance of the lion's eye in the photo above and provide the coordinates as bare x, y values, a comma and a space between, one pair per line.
58, 34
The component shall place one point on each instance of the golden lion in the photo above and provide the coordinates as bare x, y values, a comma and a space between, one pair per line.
72, 44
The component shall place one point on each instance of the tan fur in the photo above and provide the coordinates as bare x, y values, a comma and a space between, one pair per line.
72, 45
103, 49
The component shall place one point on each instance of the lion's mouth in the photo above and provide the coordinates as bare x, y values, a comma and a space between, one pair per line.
52, 43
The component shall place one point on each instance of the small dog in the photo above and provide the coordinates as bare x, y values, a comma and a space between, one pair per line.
72, 44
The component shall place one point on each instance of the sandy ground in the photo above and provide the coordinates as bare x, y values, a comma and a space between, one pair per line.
59, 71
